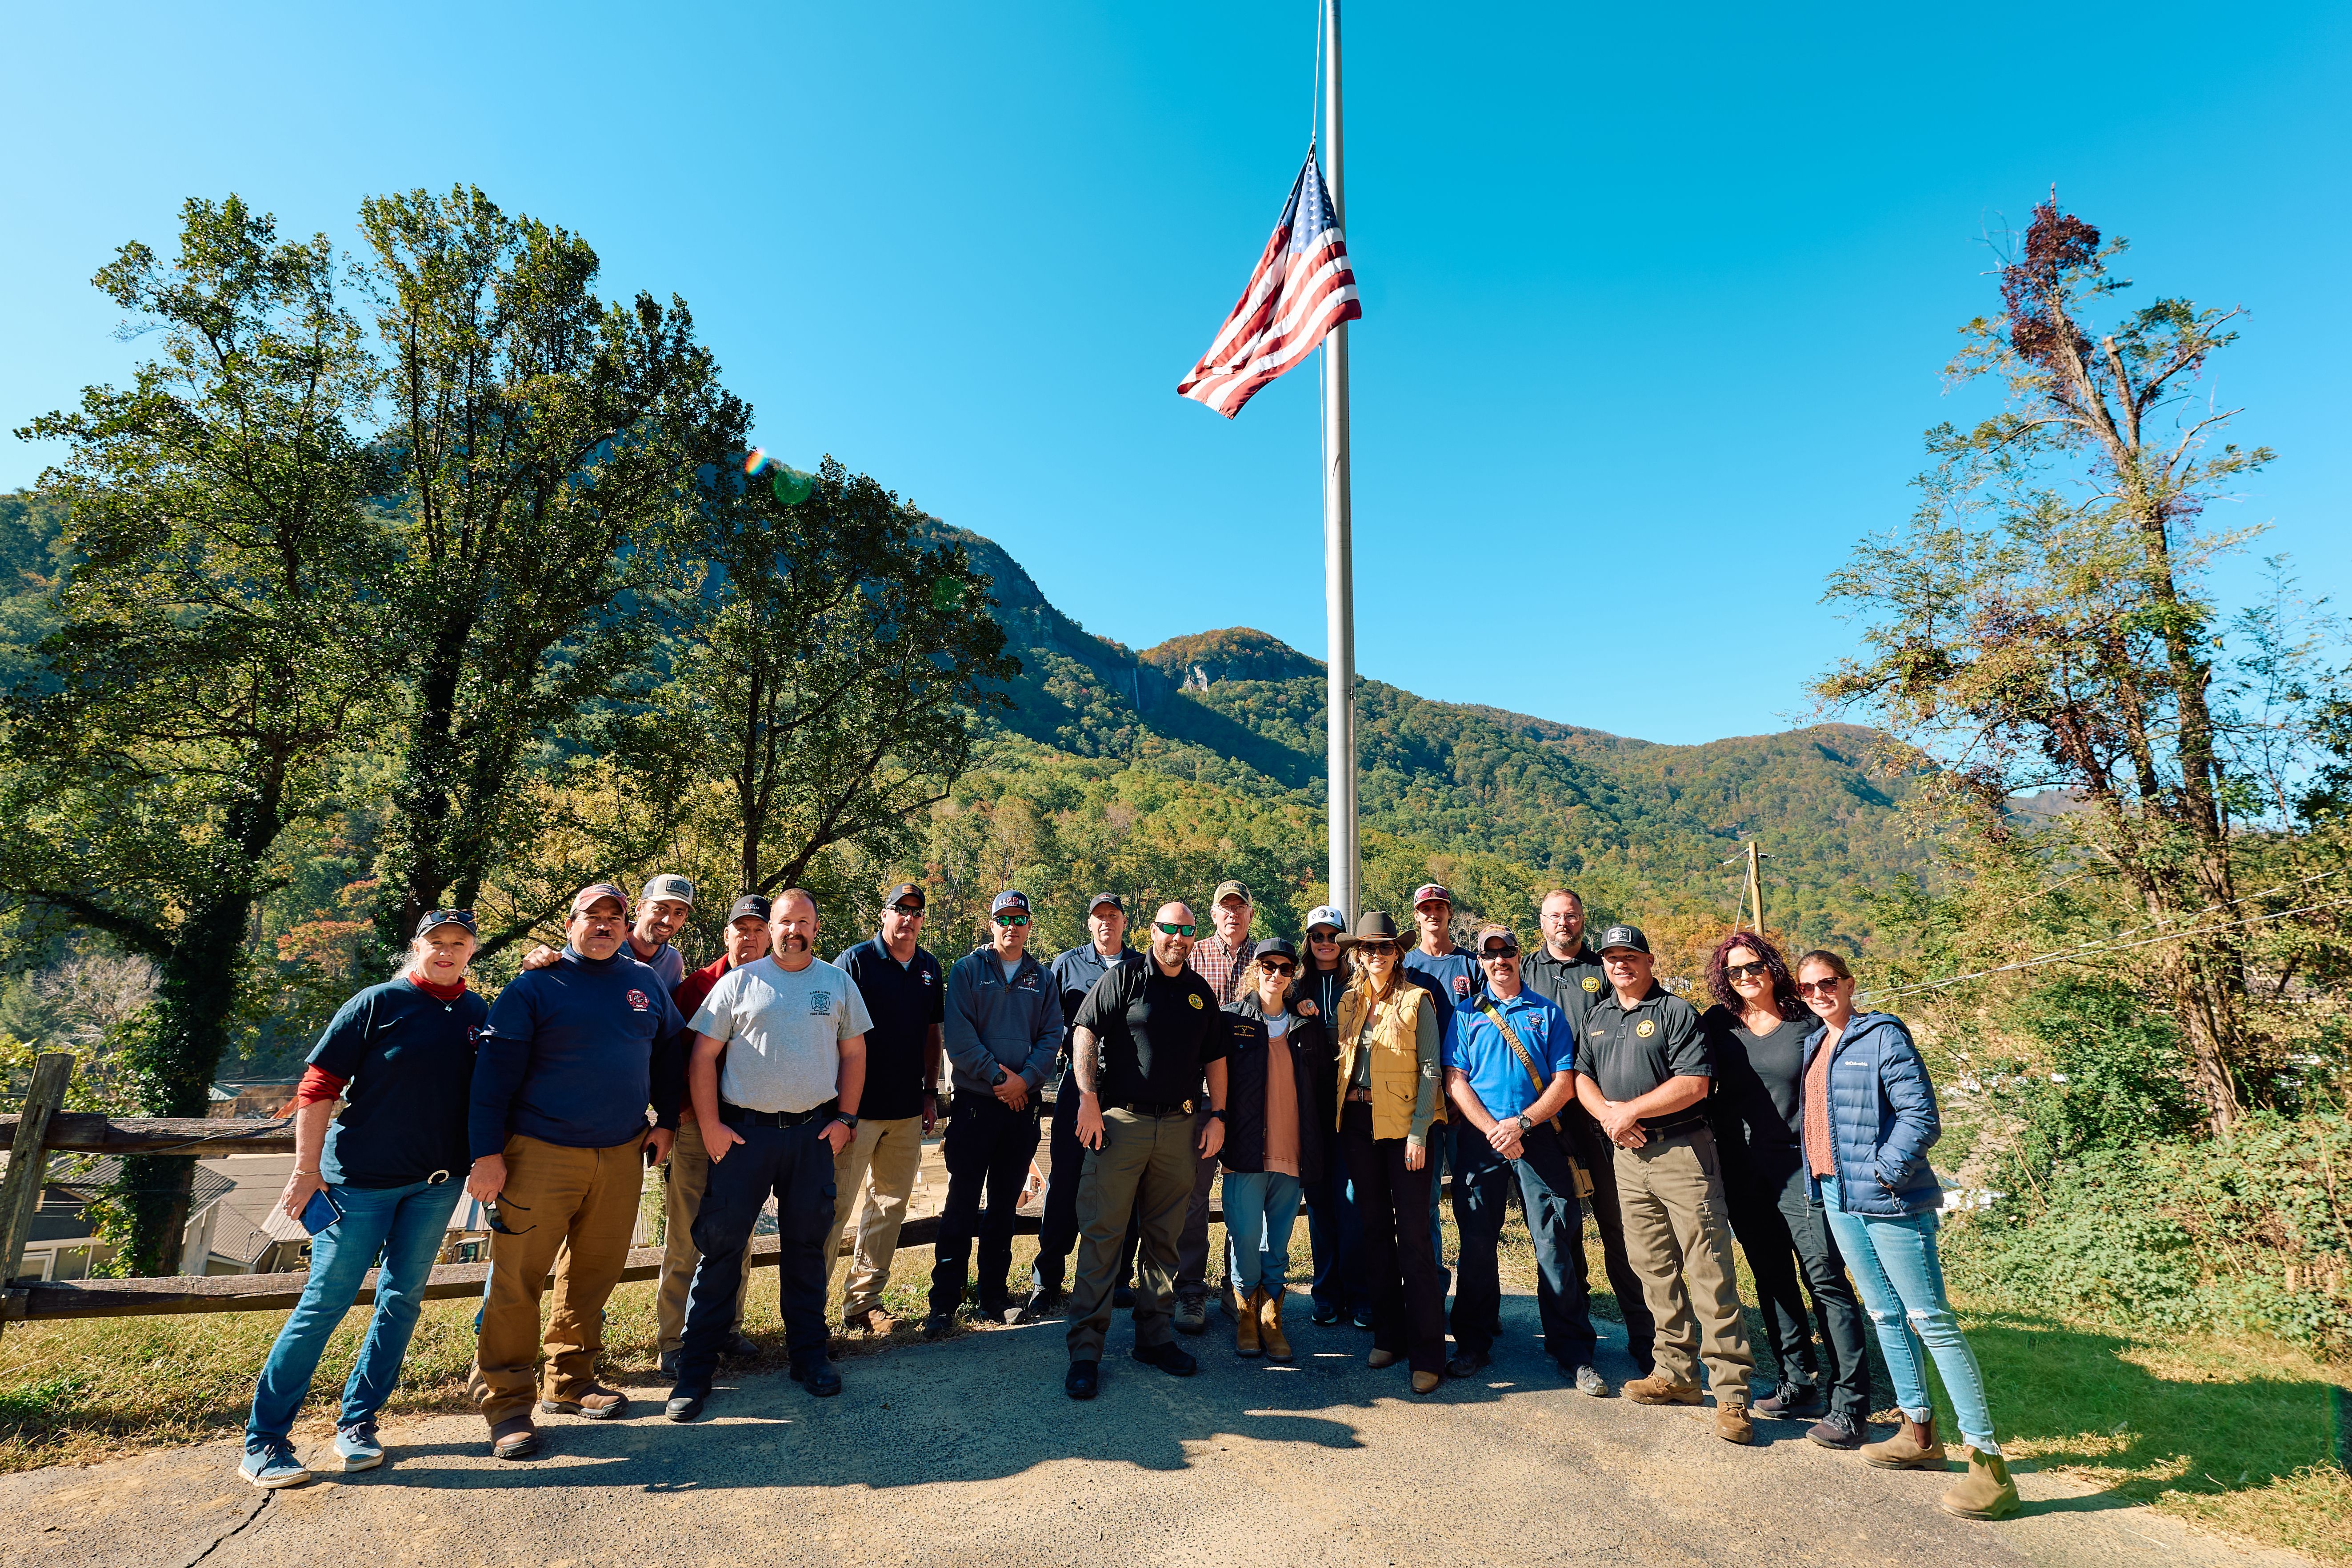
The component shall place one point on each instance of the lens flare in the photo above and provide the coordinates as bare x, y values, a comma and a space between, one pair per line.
756, 462
792, 486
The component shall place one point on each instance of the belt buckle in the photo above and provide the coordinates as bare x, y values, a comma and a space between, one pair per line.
437, 1178
1188, 1108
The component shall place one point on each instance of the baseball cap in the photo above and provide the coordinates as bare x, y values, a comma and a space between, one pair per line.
446, 918
1230, 890
1429, 890
1478, 942
751, 905
1113, 900
594, 894
903, 893
1274, 947
669, 885
1623, 936
1010, 898
1325, 915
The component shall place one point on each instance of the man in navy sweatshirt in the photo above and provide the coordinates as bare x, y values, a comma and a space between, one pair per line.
1003, 1027
572, 1057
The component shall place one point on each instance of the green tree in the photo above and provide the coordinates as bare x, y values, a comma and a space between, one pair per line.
552, 451
2045, 622
219, 640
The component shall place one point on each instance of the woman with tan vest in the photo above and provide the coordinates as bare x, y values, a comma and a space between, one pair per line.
1387, 1039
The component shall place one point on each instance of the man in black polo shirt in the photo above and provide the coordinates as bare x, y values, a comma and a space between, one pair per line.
1142, 1043
1643, 1074
905, 995
1568, 971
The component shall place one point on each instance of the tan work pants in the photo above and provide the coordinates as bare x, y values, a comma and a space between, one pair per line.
892, 1151
583, 1203
684, 1180
1677, 1223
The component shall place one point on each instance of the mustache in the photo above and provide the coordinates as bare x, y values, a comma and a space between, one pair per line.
795, 940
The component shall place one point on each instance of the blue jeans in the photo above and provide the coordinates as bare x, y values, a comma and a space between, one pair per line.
1336, 1234
404, 1227
1901, 1283
1483, 1183
1260, 1208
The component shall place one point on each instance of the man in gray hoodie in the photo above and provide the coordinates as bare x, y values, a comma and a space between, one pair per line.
1003, 1027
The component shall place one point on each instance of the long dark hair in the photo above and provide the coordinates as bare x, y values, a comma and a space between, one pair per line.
1784, 984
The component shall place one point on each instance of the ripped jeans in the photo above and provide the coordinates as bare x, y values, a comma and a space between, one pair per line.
1901, 1283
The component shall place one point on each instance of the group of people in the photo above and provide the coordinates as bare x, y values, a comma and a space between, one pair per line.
1341, 1076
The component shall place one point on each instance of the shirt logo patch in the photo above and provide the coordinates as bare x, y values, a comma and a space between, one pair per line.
1461, 985
1646, 1027
820, 1004
1593, 983
927, 978
1193, 998
638, 1000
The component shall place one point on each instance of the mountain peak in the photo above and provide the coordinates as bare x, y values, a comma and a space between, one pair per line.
1235, 653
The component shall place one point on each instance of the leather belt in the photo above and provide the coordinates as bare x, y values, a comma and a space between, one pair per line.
742, 1116
1359, 1097
1151, 1106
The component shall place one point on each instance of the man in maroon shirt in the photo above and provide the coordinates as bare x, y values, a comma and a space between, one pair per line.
688, 1171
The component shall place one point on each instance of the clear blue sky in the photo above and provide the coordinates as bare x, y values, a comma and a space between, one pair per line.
1654, 306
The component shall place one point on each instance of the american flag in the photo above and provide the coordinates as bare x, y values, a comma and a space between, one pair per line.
1302, 288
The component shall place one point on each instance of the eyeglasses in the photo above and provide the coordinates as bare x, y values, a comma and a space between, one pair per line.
913, 911
1377, 949
1279, 966
1819, 987
1169, 928
1735, 973
496, 1213
1013, 920
1497, 954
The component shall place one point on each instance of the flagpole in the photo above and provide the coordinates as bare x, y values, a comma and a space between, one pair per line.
1338, 569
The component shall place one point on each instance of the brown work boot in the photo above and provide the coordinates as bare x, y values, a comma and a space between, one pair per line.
513, 1438
597, 1403
1269, 1325
1986, 1492
1659, 1389
1245, 1341
1731, 1422
1427, 1382
873, 1323
1913, 1446
1381, 1359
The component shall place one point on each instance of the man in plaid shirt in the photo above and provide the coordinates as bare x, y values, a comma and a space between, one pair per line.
1222, 959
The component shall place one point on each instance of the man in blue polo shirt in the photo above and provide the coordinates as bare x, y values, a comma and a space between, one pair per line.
1510, 1060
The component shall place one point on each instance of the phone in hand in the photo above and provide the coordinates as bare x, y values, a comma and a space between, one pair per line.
320, 1212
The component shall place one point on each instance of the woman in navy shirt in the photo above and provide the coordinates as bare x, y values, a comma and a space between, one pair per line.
401, 1056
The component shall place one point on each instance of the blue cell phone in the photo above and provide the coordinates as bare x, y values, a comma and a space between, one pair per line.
320, 1212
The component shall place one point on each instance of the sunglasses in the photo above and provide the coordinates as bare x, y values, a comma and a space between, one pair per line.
1819, 987
497, 1217
913, 911
1169, 928
1377, 949
1322, 938
1494, 955
443, 917
1279, 966
1013, 920
1738, 972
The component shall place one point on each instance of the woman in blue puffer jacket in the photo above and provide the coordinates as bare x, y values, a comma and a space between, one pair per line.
1869, 1120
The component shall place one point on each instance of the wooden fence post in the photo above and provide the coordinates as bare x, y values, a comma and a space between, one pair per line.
28, 1165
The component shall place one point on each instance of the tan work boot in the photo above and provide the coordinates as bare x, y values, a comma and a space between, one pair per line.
1913, 1446
1659, 1389
1269, 1325
1986, 1492
1245, 1341
1731, 1421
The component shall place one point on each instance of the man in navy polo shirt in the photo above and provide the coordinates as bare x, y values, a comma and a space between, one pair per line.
1510, 1059
1003, 1024
905, 997
571, 1057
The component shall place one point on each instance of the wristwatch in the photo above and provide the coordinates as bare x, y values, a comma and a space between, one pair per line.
998, 1081
1526, 1126
846, 1119
1218, 1115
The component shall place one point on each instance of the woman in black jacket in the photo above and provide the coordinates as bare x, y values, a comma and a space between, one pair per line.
1273, 1139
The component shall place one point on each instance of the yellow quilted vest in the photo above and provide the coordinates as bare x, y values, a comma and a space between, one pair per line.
1396, 1056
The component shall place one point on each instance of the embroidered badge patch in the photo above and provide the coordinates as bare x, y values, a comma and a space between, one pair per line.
1593, 983
820, 1004
639, 1001
1646, 1027
1193, 998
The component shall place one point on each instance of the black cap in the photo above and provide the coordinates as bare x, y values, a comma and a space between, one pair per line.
751, 905
1623, 936
901, 893
446, 918
1373, 925
1276, 947
1113, 900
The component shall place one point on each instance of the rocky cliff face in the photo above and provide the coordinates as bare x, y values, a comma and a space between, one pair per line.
1238, 653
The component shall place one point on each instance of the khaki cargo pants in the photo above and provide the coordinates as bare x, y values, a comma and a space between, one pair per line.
1670, 1190
1145, 1166
892, 1151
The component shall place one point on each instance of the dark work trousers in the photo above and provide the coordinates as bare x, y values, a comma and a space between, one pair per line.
1784, 1235
1057, 1230
1336, 1236
1408, 1312
795, 1165
1484, 1183
988, 1145
1192, 1247
1599, 1158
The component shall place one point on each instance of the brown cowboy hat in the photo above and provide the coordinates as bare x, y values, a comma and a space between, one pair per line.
1373, 925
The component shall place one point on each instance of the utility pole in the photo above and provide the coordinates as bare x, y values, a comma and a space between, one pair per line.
1751, 891
1339, 568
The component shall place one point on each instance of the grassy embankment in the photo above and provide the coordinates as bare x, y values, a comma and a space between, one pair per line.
2236, 1435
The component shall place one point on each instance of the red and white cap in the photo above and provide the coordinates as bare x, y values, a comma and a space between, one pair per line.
1431, 893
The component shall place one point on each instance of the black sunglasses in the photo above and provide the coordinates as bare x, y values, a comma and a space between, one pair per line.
1489, 955
444, 917
1738, 971
1277, 966
913, 911
499, 1220
1171, 929
1013, 920
1322, 938
1377, 949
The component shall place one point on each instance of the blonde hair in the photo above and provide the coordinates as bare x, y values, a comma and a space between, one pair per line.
1832, 962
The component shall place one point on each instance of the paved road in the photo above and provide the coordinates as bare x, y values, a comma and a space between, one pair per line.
968, 1452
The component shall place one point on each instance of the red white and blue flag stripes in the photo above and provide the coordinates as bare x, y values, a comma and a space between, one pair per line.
1302, 288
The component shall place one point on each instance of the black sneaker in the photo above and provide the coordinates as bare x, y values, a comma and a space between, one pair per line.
1172, 1359
818, 1377
938, 1325
1837, 1430
1325, 1313
1466, 1364
686, 1404
1792, 1402
1084, 1380
1362, 1319
1043, 1303
738, 1346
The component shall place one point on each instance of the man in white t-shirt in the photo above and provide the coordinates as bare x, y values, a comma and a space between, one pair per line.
792, 1029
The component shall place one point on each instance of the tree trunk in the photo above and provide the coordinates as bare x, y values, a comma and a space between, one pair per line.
192, 1015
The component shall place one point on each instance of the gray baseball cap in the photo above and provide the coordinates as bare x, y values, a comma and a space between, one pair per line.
669, 885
